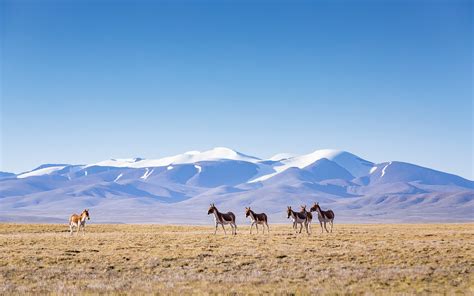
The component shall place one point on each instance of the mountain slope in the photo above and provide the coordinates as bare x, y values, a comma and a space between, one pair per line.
178, 189
355, 165
395, 171
4, 175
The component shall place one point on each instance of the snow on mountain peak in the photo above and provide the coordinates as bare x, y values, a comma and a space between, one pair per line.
217, 153
47, 170
220, 153
282, 156
352, 163
131, 160
193, 152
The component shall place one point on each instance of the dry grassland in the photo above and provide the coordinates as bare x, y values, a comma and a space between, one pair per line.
138, 259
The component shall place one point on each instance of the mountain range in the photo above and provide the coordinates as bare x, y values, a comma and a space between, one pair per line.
179, 189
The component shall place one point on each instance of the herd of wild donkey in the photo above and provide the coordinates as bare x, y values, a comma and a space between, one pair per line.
302, 217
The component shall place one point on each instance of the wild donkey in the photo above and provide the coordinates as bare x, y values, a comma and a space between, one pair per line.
298, 218
223, 219
323, 216
309, 217
79, 221
257, 219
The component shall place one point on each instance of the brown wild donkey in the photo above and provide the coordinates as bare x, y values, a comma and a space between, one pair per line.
309, 217
257, 219
323, 216
298, 218
223, 219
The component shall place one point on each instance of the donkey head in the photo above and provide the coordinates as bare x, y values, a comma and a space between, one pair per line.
86, 213
303, 209
247, 212
315, 207
212, 208
288, 211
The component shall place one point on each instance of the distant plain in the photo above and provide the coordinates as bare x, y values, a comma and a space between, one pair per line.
379, 259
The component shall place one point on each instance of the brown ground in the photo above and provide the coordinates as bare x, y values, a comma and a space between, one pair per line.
374, 259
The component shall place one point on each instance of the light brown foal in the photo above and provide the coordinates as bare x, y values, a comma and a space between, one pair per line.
79, 221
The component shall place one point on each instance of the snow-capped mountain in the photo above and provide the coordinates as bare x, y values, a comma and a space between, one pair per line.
179, 188
217, 153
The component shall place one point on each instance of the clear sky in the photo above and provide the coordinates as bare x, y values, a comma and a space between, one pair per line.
84, 81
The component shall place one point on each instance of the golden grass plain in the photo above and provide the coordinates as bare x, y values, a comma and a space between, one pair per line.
164, 259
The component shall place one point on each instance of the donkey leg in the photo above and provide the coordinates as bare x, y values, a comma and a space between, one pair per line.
256, 226
268, 228
251, 226
332, 224
225, 233
215, 231
70, 229
326, 227
301, 227
321, 223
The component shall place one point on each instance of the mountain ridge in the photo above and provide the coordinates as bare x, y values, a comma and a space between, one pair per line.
178, 189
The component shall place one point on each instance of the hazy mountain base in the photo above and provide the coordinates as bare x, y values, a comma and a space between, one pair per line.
425, 208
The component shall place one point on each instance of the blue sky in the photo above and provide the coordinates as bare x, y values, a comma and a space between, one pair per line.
84, 81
